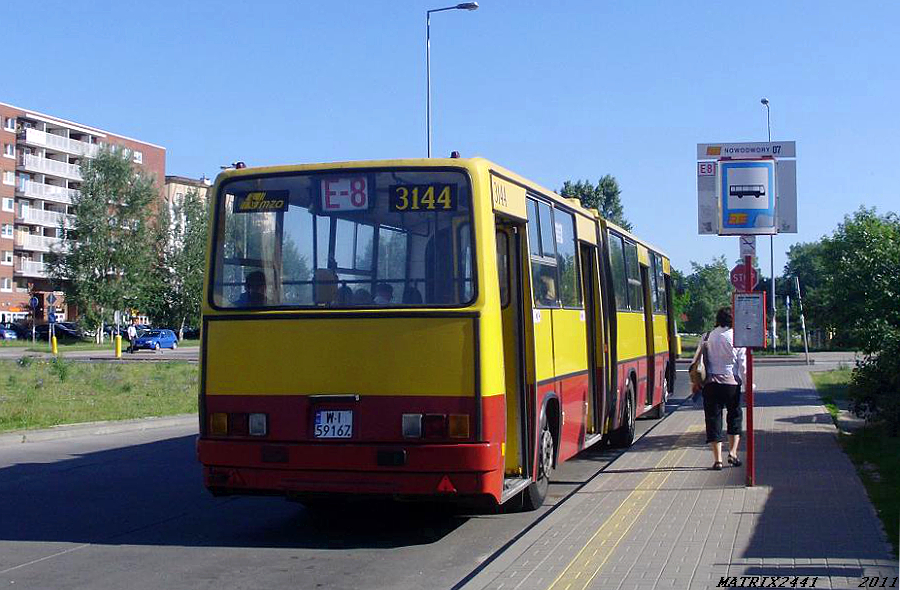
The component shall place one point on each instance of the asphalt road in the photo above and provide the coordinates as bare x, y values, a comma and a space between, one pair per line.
187, 353
129, 511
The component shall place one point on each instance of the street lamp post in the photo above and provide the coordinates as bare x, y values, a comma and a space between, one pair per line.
765, 102
463, 6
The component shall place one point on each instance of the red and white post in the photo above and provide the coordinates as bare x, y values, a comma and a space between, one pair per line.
751, 455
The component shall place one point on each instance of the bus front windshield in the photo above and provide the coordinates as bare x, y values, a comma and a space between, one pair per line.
344, 239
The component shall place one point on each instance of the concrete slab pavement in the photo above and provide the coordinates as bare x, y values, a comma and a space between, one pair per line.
658, 517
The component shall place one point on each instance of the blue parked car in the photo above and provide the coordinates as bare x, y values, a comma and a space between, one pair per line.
156, 339
8, 334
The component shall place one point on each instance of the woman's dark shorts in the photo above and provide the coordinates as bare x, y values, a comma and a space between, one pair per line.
717, 396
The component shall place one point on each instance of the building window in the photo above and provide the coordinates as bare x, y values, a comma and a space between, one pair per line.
9, 150
6, 285
138, 157
9, 177
7, 258
7, 230
9, 204
10, 124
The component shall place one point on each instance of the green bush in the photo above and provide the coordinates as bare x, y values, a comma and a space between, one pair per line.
875, 387
60, 368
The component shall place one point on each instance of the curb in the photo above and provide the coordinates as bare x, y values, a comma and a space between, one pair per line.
780, 362
94, 429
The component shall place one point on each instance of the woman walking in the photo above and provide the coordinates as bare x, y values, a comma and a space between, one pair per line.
726, 371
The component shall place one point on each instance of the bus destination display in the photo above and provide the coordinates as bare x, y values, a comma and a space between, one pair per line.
414, 198
345, 193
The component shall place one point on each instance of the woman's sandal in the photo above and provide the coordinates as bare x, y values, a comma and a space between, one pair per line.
734, 461
717, 466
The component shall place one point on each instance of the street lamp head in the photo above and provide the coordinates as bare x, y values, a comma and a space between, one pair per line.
467, 6
765, 101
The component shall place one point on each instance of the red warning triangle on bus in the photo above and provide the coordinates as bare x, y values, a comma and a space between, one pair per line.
446, 485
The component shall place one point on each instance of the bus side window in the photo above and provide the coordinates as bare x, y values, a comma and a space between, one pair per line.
617, 266
541, 244
503, 267
635, 288
465, 260
660, 285
654, 281
566, 260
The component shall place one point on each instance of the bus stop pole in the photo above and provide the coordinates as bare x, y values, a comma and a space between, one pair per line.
751, 455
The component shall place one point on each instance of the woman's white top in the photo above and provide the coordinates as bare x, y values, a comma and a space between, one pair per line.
724, 363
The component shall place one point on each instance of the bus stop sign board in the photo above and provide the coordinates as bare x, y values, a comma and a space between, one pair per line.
747, 197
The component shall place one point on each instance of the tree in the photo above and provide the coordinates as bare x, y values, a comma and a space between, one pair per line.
173, 295
708, 289
806, 261
104, 262
861, 264
605, 198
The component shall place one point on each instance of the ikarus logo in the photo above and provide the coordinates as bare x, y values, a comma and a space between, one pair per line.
261, 202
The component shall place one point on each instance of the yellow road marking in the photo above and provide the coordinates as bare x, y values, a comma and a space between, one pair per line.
585, 566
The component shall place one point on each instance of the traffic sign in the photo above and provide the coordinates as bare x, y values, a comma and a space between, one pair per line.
738, 280
34, 302
52, 317
51, 298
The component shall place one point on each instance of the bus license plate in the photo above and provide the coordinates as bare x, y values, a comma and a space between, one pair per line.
333, 424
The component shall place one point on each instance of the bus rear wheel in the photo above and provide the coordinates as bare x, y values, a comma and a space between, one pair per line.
534, 495
624, 435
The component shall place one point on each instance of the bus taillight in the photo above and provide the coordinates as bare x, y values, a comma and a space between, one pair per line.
459, 426
435, 426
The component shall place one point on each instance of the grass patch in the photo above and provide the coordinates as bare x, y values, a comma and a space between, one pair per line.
873, 451
43, 393
877, 459
833, 388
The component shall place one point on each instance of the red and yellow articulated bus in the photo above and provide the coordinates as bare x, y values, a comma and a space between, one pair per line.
420, 328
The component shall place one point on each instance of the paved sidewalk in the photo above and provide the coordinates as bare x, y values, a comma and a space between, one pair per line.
658, 517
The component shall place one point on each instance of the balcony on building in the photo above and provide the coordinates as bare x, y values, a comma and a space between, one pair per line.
39, 165
34, 216
38, 138
31, 268
38, 243
47, 192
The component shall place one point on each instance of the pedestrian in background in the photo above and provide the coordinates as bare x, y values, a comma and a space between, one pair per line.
132, 335
725, 373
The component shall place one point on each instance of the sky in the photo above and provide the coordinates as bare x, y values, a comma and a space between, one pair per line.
555, 91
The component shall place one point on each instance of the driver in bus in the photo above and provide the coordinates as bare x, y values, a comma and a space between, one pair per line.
254, 290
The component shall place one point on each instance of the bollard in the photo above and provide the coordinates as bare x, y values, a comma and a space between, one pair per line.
53, 347
118, 346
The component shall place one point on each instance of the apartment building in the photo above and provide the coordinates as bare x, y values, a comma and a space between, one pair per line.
40, 172
178, 186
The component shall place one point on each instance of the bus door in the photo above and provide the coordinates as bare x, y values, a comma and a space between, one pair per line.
596, 410
651, 348
518, 449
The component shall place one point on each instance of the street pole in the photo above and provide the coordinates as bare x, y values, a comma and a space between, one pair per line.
787, 317
428, 80
463, 6
748, 386
765, 102
802, 319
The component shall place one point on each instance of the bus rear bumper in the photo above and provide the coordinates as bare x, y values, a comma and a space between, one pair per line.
239, 467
